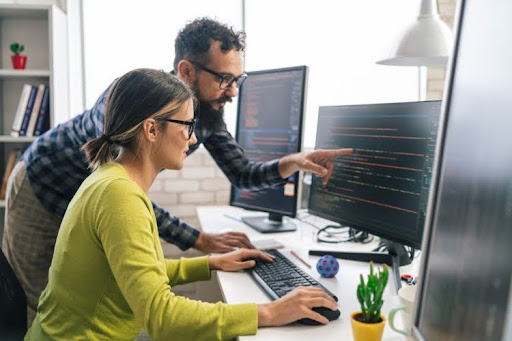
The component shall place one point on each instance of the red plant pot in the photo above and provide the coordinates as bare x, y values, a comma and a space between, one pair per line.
19, 61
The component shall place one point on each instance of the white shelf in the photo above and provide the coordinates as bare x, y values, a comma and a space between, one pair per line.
21, 11
7, 73
20, 139
42, 29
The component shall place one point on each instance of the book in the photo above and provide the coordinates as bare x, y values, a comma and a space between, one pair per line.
28, 110
20, 111
35, 110
14, 155
44, 113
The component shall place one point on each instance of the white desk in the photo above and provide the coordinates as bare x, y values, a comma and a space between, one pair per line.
239, 287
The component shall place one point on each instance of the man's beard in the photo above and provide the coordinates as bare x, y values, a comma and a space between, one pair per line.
208, 117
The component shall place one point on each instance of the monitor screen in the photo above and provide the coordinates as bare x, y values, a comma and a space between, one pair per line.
382, 187
269, 126
465, 291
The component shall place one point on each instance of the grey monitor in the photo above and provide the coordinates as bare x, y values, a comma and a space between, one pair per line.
269, 126
382, 188
465, 277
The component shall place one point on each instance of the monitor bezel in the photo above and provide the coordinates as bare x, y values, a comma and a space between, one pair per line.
436, 173
298, 177
396, 238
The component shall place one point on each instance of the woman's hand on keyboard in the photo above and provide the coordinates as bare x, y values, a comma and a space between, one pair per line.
238, 260
296, 305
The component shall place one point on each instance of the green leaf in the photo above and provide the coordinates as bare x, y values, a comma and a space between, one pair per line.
370, 294
360, 292
16, 48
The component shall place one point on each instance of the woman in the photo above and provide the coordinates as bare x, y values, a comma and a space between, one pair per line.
108, 276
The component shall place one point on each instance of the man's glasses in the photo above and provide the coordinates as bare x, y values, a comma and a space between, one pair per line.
225, 80
191, 125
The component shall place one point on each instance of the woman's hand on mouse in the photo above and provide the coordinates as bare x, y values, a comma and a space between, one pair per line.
238, 260
295, 305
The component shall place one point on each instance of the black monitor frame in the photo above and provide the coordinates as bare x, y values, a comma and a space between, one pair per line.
394, 238
489, 265
274, 221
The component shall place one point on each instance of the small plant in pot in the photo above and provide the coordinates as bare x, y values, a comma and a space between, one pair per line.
18, 60
368, 324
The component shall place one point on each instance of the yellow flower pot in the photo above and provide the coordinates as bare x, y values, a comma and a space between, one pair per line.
367, 331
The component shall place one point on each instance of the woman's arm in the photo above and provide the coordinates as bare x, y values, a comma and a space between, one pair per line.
127, 231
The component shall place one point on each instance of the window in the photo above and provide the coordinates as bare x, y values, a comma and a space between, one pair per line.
121, 35
340, 41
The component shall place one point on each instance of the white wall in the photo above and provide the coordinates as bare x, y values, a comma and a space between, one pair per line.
340, 41
75, 58
121, 35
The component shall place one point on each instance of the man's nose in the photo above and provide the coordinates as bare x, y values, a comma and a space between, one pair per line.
232, 90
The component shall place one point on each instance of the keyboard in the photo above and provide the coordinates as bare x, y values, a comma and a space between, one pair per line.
282, 276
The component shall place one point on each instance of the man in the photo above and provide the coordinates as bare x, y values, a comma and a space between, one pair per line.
209, 60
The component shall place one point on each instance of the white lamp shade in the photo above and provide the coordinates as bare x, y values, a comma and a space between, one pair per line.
426, 42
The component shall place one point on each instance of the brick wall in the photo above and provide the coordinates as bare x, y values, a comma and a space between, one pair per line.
436, 76
200, 182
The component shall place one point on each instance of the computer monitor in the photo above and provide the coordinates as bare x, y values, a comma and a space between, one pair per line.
270, 114
382, 187
465, 281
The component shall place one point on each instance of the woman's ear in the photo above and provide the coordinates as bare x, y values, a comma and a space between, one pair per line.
186, 72
150, 129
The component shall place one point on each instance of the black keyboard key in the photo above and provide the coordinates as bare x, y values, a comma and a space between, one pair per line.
282, 276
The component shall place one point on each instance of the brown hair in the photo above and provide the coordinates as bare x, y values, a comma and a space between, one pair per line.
136, 96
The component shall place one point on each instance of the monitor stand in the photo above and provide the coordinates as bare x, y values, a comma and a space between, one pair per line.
271, 224
398, 250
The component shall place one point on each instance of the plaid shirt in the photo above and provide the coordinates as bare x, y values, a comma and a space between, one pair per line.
56, 167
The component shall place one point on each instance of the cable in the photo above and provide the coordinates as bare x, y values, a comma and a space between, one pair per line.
329, 234
302, 220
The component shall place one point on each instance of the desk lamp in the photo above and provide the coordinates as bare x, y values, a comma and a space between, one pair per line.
425, 42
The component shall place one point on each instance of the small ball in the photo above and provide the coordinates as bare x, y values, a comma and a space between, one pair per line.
327, 266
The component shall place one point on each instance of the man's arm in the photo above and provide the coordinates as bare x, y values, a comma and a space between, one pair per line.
185, 236
241, 172
318, 162
245, 174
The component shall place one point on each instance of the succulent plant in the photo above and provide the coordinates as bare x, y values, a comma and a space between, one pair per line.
17, 48
370, 293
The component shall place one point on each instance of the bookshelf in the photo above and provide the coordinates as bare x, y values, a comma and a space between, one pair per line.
43, 31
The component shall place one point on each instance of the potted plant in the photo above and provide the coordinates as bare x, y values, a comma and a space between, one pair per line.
368, 324
18, 60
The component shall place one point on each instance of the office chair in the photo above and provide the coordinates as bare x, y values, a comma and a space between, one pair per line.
13, 304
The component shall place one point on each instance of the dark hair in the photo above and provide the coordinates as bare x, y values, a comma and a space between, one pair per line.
136, 96
193, 41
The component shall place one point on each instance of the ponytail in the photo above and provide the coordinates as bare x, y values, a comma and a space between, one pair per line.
97, 151
136, 96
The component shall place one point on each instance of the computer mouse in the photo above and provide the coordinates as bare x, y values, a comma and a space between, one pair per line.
330, 314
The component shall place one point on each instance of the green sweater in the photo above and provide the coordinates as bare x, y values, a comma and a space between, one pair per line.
109, 278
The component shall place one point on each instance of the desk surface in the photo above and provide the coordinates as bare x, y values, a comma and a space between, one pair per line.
239, 287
